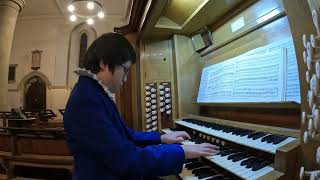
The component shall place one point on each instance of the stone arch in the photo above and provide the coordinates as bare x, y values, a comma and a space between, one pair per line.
74, 48
32, 74
25, 79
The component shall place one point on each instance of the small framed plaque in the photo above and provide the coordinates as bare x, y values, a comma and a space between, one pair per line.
36, 59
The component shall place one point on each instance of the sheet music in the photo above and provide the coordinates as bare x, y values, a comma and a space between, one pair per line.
244, 79
264, 74
292, 75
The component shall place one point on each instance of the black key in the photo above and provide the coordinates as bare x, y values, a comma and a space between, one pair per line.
227, 178
176, 129
266, 138
279, 139
222, 149
251, 164
236, 132
231, 157
201, 170
197, 140
258, 135
194, 165
260, 165
227, 152
249, 160
246, 132
270, 140
241, 157
216, 177
253, 134
205, 175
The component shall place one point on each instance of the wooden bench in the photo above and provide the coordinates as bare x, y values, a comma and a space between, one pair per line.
13, 119
45, 148
42, 115
61, 111
43, 118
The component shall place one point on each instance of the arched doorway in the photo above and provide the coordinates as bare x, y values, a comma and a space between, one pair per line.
35, 94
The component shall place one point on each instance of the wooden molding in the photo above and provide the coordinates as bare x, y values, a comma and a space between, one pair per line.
232, 13
258, 26
138, 9
280, 117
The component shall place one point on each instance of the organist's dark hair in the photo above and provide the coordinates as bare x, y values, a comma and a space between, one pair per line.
112, 49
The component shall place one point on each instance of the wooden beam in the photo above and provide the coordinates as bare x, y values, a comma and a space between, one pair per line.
258, 26
223, 19
137, 11
152, 16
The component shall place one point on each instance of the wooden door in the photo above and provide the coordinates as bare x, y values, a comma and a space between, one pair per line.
35, 94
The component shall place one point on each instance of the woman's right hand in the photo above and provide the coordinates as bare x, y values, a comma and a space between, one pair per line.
198, 150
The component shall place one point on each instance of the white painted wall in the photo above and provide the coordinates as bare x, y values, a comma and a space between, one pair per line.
52, 35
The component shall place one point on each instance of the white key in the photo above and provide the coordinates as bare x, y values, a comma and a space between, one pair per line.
188, 143
257, 144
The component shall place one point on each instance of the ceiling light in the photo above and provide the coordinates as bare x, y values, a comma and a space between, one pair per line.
71, 8
90, 21
73, 18
85, 10
90, 5
101, 15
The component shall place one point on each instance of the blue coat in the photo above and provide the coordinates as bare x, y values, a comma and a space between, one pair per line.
104, 148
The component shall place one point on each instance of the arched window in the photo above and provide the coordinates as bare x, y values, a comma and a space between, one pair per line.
83, 49
81, 36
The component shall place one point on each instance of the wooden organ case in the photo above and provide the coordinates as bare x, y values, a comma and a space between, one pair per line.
280, 137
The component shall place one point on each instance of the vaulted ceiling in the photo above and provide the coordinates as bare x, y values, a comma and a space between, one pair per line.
119, 9
185, 17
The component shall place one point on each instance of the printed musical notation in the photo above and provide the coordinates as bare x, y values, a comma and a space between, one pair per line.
265, 74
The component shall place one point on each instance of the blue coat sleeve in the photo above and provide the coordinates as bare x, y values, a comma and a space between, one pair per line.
144, 138
93, 132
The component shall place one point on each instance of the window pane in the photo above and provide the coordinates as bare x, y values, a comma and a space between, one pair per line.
12, 73
83, 49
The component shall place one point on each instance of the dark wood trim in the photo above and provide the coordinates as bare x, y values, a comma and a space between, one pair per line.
138, 8
152, 16
223, 19
127, 97
258, 26
137, 91
288, 118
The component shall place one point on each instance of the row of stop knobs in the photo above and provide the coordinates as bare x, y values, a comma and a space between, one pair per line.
311, 57
151, 100
165, 99
313, 175
310, 122
151, 107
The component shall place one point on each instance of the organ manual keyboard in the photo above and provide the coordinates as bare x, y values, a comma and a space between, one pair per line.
247, 151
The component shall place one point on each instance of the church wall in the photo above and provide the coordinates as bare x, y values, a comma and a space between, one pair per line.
52, 36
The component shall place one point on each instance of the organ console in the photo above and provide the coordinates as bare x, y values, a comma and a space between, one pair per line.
249, 151
264, 140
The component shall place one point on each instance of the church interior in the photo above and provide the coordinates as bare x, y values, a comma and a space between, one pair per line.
240, 74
